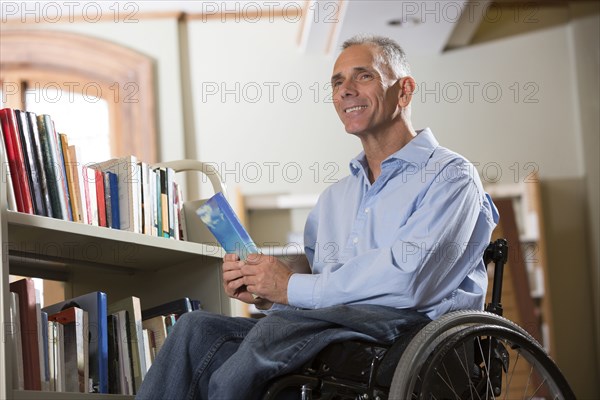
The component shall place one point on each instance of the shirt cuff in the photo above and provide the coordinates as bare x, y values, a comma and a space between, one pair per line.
302, 291
276, 307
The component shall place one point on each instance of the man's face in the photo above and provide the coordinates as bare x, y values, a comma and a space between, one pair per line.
364, 94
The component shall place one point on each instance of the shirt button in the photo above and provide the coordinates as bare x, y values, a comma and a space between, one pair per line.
355, 240
367, 210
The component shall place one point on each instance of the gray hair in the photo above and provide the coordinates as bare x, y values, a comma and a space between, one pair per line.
390, 54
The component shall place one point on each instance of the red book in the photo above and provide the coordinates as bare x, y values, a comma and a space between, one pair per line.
29, 332
16, 161
100, 198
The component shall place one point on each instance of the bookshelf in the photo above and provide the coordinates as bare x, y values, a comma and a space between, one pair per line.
91, 258
526, 295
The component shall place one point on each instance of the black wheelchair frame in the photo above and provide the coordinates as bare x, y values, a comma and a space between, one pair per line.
461, 355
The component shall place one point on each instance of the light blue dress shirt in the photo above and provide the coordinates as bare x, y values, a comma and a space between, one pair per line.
412, 239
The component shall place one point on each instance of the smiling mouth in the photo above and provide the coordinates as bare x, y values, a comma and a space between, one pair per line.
355, 108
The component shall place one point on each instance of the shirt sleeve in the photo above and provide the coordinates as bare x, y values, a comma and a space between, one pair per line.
433, 252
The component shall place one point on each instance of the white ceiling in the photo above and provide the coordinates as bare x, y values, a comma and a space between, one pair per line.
425, 26
421, 27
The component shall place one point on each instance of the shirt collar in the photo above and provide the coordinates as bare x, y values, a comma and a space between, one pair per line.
416, 152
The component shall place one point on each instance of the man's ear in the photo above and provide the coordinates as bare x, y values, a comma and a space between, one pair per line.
407, 88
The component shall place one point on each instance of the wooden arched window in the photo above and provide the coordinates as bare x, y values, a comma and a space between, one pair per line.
84, 66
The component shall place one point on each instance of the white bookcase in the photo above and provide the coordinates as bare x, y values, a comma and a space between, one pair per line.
89, 258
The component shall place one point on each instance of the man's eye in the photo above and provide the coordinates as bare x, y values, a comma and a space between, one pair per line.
365, 76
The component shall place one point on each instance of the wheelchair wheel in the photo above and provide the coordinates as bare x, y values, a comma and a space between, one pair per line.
476, 355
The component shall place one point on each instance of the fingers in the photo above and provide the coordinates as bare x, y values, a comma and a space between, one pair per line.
230, 257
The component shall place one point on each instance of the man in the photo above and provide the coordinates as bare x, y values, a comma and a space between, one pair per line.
396, 242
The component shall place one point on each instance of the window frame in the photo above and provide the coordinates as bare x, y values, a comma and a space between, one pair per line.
124, 76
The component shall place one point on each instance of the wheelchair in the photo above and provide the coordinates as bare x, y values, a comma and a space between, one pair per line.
461, 355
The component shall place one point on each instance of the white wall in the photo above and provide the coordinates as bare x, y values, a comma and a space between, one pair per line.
281, 123
459, 99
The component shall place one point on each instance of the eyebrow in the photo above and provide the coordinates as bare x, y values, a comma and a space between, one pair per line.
355, 69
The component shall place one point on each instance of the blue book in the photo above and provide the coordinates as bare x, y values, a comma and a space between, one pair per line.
226, 227
112, 199
95, 304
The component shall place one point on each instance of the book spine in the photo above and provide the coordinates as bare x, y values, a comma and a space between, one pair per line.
85, 173
100, 198
29, 332
37, 147
78, 194
154, 216
70, 179
107, 200
93, 196
63, 176
113, 182
102, 343
14, 153
30, 163
6, 175
52, 166
158, 198
164, 202
171, 200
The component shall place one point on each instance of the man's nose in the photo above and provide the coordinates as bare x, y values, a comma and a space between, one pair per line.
347, 89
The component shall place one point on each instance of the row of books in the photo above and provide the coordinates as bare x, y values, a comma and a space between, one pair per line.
86, 344
49, 178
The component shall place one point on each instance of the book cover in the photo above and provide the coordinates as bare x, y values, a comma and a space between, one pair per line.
52, 166
29, 332
226, 227
129, 190
95, 305
76, 350
134, 332
16, 161
30, 163
177, 307
37, 149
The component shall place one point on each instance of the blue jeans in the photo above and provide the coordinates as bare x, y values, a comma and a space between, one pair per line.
210, 356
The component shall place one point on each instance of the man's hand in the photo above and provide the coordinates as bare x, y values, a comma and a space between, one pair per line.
233, 281
266, 277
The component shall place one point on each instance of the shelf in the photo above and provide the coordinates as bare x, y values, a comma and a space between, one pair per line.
41, 240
